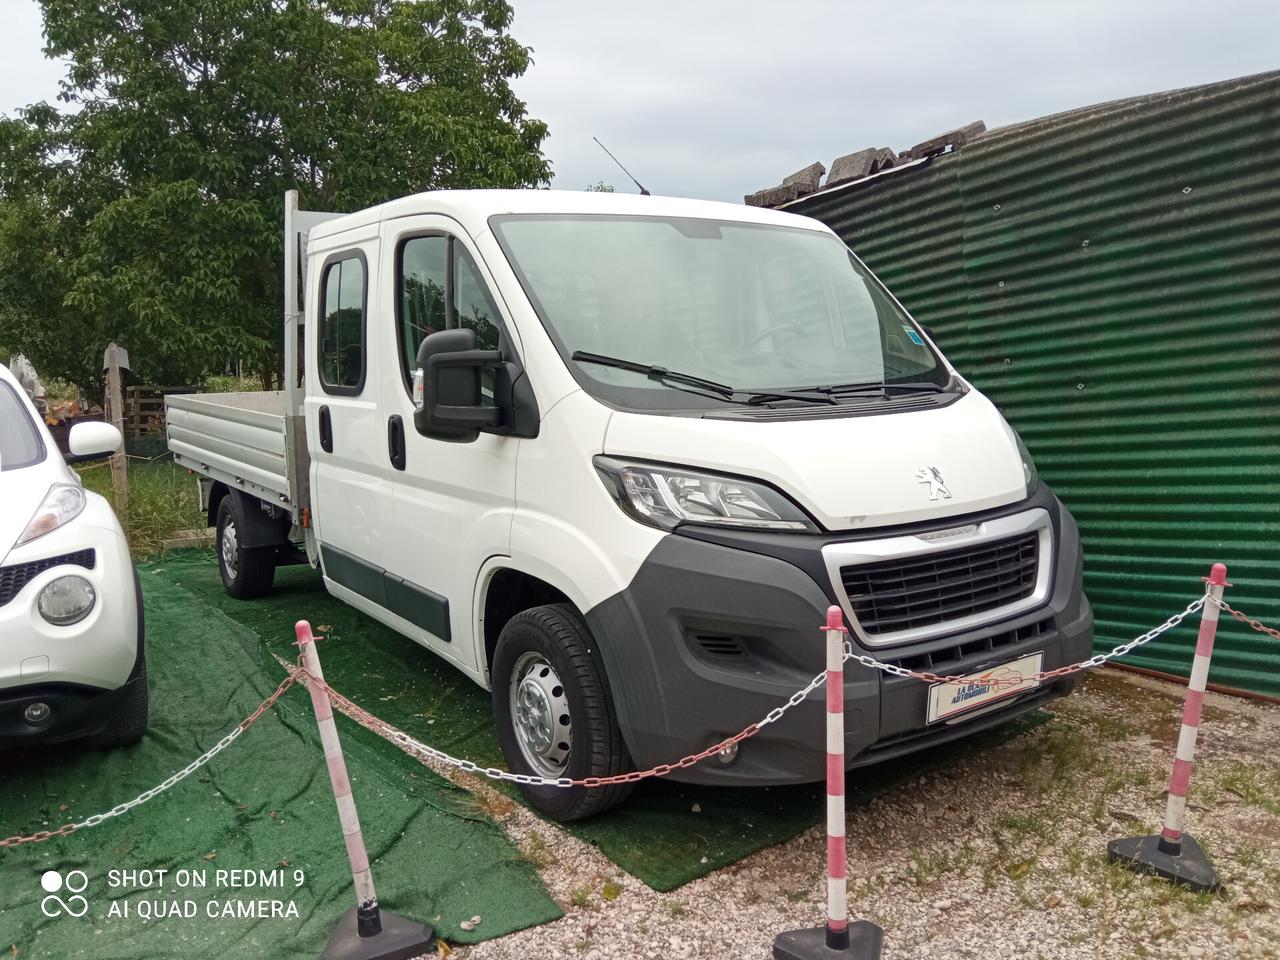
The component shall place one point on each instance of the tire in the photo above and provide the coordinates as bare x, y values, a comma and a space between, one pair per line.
555, 638
127, 726
246, 572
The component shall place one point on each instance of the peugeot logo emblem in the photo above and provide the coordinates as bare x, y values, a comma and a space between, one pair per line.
933, 477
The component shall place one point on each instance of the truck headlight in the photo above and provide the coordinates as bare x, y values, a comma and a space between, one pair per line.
66, 600
1029, 472
663, 497
61, 504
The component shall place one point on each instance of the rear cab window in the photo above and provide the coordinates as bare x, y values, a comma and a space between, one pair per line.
20, 442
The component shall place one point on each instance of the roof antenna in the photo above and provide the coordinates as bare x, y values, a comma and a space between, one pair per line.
643, 191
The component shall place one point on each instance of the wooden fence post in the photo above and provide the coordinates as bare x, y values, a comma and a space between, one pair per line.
115, 361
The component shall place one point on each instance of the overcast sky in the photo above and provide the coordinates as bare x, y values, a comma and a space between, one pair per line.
719, 98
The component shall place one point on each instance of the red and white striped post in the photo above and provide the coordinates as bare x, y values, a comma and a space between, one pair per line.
861, 940
1173, 854
364, 933
837, 854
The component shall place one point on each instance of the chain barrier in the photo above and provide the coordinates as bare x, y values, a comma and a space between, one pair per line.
299, 674
356, 712
1094, 661
421, 749
200, 761
1247, 620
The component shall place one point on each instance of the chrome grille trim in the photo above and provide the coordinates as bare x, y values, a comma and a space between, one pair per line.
837, 556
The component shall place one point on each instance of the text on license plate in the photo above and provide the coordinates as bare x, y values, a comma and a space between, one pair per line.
976, 690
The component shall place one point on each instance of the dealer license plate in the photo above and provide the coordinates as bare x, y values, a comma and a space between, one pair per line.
976, 690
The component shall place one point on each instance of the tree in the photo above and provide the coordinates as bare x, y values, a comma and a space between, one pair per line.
600, 187
150, 213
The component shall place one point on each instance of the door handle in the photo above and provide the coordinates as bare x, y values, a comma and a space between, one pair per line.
326, 430
395, 441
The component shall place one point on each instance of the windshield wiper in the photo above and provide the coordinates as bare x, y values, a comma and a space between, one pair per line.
883, 386
654, 372
816, 395
721, 391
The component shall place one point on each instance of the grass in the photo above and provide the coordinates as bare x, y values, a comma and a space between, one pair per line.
925, 869
538, 852
1023, 825
1256, 785
162, 501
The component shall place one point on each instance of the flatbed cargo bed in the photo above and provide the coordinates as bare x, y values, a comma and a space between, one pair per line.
242, 440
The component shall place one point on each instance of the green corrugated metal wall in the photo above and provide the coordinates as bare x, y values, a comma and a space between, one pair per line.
1111, 279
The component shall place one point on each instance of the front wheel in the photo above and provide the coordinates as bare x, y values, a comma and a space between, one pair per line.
555, 713
246, 572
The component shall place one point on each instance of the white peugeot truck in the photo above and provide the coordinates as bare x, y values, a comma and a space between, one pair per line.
614, 456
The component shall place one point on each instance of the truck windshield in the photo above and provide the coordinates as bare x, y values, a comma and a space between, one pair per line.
753, 307
20, 443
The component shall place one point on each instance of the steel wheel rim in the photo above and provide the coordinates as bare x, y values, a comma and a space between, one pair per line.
540, 715
230, 547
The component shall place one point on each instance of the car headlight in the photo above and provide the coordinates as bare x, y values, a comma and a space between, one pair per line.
66, 600
61, 504
1029, 472
664, 496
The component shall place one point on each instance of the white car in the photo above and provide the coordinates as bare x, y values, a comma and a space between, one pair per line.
71, 625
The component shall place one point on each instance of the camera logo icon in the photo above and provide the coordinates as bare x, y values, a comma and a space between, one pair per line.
74, 884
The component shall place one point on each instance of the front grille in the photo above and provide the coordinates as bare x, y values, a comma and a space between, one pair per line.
14, 578
926, 589
946, 659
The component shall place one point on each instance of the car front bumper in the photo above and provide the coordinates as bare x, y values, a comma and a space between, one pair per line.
718, 629
83, 672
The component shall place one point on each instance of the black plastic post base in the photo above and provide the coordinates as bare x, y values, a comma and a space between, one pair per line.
865, 943
1184, 863
400, 939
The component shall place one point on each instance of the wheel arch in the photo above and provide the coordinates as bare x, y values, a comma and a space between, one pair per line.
505, 591
261, 522
217, 493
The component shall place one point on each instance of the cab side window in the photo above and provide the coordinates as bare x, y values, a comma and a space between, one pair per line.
474, 308
440, 288
342, 325
423, 272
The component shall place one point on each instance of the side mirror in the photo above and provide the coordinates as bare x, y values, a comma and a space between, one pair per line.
451, 406
92, 440
928, 331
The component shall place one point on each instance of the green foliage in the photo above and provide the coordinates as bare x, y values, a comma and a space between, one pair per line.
600, 187
230, 383
150, 212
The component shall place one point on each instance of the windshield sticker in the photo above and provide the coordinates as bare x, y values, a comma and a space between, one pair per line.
914, 337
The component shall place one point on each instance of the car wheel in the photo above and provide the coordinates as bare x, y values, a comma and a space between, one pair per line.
555, 713
127, 726
246, 572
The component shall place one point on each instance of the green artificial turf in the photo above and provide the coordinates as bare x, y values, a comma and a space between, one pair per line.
666, 834
263, 804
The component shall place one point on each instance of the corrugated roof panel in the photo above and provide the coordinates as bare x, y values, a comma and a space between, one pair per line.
1111, 279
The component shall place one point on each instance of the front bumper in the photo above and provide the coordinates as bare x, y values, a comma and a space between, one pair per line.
717, 629
84, 671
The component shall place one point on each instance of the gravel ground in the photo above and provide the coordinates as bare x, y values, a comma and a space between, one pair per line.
1002, 857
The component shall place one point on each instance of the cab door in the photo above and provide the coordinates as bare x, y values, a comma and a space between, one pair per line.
350, 482
452, 501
